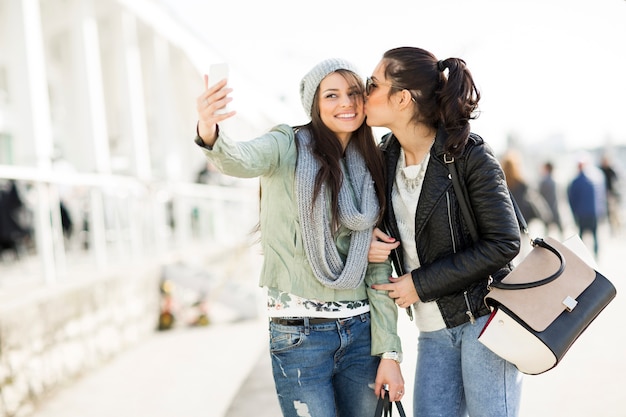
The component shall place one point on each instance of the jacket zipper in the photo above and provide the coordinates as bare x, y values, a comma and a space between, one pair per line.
409, 309
469, 313
469, 308
450, 222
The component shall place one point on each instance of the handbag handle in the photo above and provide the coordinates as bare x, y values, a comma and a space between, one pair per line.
385, 406
471, 223
525, 285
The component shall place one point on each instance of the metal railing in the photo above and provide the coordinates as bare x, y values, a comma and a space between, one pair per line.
118, 218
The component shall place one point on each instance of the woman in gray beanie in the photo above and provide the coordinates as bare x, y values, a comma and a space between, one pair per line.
333, 340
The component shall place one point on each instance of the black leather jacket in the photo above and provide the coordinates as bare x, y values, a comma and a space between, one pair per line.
454, 270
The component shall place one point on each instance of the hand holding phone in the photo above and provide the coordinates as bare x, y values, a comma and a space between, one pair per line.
217, 73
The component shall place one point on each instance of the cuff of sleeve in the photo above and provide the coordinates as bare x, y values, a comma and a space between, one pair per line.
418, 285
396, 356
200, 142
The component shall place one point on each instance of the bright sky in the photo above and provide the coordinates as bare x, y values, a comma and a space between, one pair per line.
548, 70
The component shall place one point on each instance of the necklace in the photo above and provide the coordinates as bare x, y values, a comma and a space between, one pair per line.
413, 176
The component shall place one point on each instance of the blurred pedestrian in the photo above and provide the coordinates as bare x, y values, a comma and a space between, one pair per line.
15, 229
611, 180
586, 202
548, 190
322, 194
533, 206
427, 105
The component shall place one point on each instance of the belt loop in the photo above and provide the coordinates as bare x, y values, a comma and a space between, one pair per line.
364, 317
307, 330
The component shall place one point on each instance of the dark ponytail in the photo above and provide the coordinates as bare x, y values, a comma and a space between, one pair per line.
444, 92
458, 101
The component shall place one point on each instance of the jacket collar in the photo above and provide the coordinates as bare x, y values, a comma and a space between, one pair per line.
435, 184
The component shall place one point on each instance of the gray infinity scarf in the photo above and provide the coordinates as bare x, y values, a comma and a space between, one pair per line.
315, 221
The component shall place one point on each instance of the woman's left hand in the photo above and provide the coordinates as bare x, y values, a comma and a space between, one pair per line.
381, 246
401, 289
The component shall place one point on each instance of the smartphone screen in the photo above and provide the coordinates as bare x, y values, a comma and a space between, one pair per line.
218, 72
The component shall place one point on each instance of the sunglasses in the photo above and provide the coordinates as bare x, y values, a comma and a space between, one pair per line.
371, 84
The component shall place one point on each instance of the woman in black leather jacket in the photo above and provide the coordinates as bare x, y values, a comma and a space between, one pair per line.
442, 272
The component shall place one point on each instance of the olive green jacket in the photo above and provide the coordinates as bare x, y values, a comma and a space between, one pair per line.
272, 157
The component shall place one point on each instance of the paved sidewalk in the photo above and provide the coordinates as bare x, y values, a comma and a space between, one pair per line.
184, 372
257, 396
224, 371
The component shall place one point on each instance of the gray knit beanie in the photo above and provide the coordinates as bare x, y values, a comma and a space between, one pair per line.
313, 78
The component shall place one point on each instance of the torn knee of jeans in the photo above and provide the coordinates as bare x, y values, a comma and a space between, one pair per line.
301, 408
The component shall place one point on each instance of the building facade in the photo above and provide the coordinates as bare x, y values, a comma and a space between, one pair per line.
97, 107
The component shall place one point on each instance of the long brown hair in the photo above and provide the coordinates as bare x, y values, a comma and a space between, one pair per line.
327, 150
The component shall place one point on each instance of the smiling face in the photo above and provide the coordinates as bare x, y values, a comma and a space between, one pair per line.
340, 106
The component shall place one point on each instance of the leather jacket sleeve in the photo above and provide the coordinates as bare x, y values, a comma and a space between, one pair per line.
451, 262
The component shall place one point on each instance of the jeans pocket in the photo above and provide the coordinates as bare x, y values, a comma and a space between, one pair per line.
282, 340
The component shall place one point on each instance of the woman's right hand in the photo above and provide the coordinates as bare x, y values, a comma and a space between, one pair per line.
381, 246
390, 374
211, 100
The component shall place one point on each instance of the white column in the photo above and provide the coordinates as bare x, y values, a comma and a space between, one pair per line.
42, 130
37, 82
165, 150
135, 91
89, 51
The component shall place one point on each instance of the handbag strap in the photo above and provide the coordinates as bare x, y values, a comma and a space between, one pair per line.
465, 205
461, 197
385, 406
525, 285
471, 224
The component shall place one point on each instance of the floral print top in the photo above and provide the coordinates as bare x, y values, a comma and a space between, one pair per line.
282, 304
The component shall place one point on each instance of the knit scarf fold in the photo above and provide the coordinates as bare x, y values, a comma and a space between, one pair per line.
358, 211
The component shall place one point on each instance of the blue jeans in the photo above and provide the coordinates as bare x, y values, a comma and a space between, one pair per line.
324, 370
456, 375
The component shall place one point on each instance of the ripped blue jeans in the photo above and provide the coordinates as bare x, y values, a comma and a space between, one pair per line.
324, 370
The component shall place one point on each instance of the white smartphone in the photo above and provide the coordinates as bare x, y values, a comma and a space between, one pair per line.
218, 72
